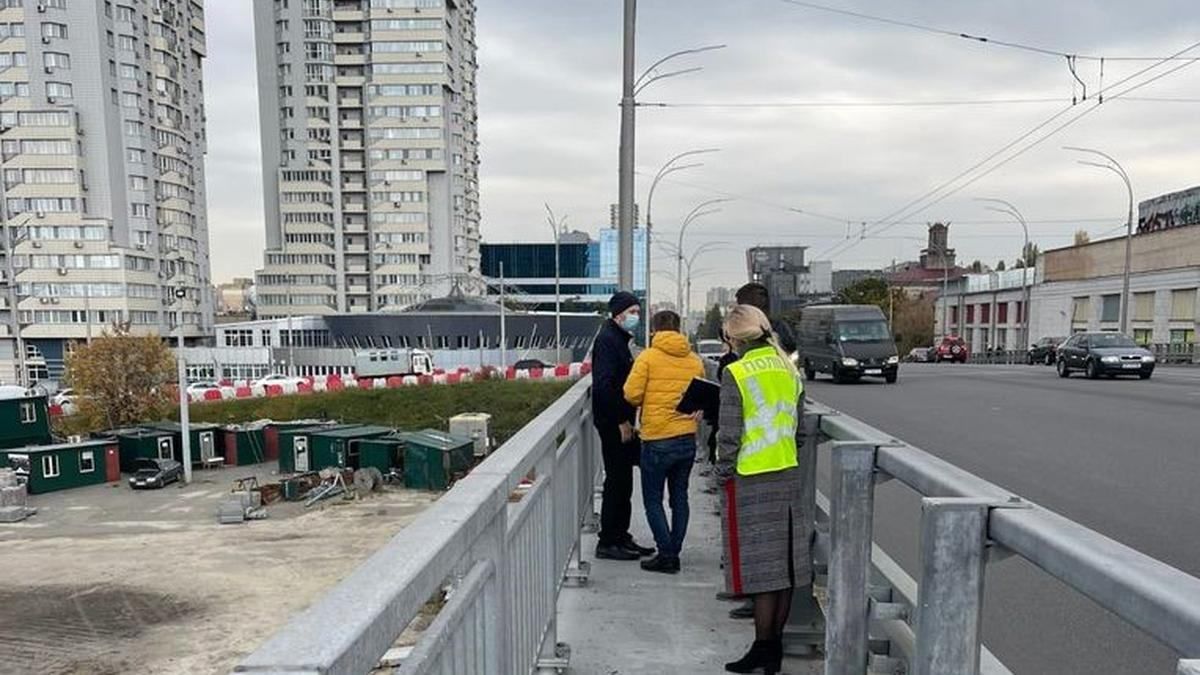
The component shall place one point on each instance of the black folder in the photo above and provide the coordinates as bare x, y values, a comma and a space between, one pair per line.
703, 395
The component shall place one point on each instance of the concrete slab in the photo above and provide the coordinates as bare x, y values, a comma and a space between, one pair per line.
629, 622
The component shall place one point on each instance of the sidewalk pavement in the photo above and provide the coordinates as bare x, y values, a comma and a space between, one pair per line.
630, 622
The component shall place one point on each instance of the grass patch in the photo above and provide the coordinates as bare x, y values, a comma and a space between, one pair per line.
512, 405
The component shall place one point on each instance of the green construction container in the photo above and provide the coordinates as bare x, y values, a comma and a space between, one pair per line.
206, 440
47, 468
340, 446
382, 453
24, 421
433, 458
139, 443
295, 447
245, 444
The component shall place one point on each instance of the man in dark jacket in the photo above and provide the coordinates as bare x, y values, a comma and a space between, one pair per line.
755, 294
614, 419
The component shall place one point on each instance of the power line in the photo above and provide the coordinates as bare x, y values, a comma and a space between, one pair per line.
895, 104
905, 211
971, 37
755, 200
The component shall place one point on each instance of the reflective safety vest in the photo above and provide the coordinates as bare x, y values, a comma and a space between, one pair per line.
770, 393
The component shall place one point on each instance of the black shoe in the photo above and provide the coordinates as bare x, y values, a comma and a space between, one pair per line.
641, 551
764, 654
746, 611
661, 564
726, 596
615, 552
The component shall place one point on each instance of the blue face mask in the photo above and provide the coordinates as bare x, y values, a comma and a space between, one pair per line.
630, 322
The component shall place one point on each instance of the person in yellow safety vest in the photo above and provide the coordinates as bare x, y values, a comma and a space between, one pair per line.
769, 532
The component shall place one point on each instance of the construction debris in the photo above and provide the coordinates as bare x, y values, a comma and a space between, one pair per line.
369, 479
13, 498
330, 487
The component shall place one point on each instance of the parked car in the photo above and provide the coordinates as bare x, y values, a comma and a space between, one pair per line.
952, 348
711, 350
155, 473
1043, 351
276, 378
530, 364
63, 397
920, 355
848, 342
1109, 354
201, 387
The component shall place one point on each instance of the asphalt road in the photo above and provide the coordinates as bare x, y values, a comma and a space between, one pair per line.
1119, 456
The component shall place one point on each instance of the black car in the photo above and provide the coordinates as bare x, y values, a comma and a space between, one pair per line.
155, 473
1108, 354
1044, 351
530, 364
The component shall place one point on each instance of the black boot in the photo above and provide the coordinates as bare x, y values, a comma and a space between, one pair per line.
662, 564
764, 654
615, 552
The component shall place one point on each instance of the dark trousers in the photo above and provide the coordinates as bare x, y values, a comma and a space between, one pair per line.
667, 462
616, 504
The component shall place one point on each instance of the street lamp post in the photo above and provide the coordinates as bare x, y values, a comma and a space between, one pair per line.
1115, 166
556, 226
1011, 210
702, 209
700, 250
10, 280
667, 169
631, 87
184, 430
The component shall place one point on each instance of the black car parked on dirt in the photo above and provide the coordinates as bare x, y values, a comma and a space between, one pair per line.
1044, 351
155, 473
1108, 354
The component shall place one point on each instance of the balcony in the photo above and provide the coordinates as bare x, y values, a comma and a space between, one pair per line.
348, 37
349, 59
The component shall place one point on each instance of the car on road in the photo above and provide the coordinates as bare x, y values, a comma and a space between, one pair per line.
952, 348
155, 473
198, 388
847, 341
276, 378
710, 350
530, 364
1044, 351
1108, 354
920, 355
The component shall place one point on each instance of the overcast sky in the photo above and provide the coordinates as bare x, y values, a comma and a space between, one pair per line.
550, 82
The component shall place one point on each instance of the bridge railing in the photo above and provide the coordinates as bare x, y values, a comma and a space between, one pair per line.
966, 522
1175, 352
503, 540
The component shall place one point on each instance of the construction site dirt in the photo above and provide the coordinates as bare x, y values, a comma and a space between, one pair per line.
107, 580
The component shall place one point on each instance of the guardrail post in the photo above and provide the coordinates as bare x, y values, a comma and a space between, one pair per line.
1189, 667
950, 600
852, 502
805, 630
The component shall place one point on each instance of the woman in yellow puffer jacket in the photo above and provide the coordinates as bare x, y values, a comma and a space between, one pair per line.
660, 376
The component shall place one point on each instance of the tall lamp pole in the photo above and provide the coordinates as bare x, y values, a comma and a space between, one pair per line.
1115, 167
702, 209
10, 280
184, 428
631, 87
556, 226
1008, 209
667, 169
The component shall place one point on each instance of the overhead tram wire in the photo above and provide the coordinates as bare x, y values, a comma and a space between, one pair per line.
757, 200
907, 211
893, 104
981, 39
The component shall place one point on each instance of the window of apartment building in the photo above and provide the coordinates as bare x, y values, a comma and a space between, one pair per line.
1002, 312
1143, 306
985, 313
407, 46
41, 205
39, 176
396, 133
124, 13
8, 30
1110, 308
131, 100
54, 30
395, 218
404, 90
1143, 336
408, 68
87, 461
318, 51
1183, 336
1081, 309
139, 210
403, 196
407, 24
11, 89
127, 42
318, 29
56, 60
1183, 305
396, 175
137, 182
13, 59
404, 112
265, 336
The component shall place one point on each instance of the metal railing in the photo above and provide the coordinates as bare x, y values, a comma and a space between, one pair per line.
934, 625
504, 539
1175, 352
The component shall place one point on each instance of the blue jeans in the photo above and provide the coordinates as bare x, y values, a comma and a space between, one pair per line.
668, 461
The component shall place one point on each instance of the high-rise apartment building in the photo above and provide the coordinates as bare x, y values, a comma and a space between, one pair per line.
102, 146
370, 158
